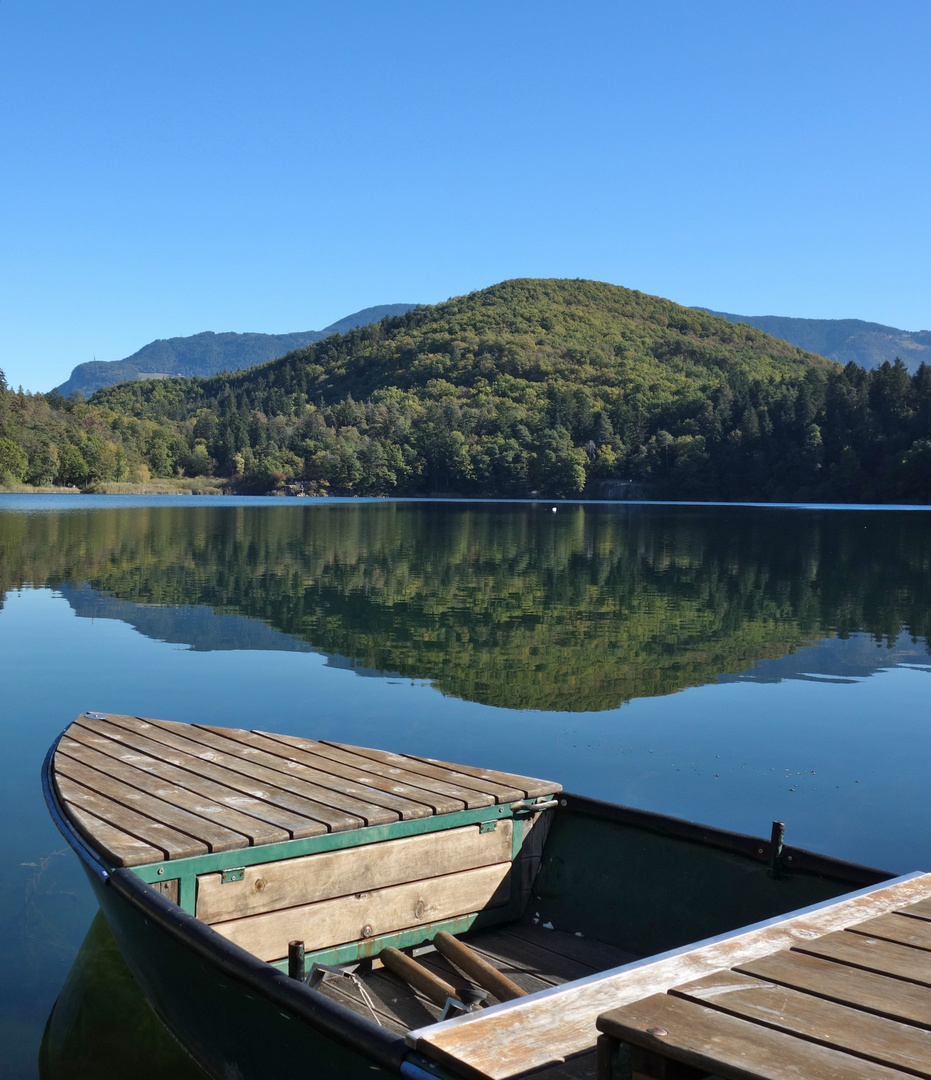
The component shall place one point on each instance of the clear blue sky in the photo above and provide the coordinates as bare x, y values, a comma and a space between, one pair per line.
175, 167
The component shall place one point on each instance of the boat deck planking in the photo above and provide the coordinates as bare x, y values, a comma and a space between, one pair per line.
145, 790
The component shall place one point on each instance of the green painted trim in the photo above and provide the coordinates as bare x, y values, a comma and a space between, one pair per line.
400, 939
310, 845
188, 870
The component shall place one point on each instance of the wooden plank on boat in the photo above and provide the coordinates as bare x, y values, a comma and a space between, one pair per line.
413, 801
535, 1032
211, 802
155, 833
121, 848
292, 775
126, 799
528, 787
384, 793
121, 739
370, 914
262, 788
500, 787
298, 796
451, 796
310, 878
732, 1047
134, 752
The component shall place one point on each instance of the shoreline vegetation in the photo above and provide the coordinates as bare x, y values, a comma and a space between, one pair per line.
530, 388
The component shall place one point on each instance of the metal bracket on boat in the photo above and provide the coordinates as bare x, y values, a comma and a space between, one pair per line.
777, 839
320, 973
472, 1000
533, 807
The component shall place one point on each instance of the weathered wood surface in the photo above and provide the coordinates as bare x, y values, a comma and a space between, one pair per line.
516, 951
864, 1013
143, 790
382, 911
307, 879
545, 1029
731, 1047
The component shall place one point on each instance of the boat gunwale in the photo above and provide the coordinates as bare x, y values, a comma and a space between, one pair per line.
802, 860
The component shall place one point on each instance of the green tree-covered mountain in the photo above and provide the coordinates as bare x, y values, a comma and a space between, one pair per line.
550, 387
866, 344
208, 353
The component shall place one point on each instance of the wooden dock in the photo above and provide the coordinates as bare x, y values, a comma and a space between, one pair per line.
851, 1004
557, 1028
146, 790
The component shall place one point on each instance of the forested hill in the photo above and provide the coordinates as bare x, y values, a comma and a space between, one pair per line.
208, 353
549, 387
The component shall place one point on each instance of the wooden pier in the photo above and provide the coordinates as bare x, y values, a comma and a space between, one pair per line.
850, 1004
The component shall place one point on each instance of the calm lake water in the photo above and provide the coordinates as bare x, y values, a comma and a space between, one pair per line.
728, 664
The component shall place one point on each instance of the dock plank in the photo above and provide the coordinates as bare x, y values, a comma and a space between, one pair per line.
539, 1031
737, 1048
897, 927
829, 1023
867, 990
872, 954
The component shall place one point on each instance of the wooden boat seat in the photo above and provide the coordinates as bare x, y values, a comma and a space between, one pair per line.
547, 1028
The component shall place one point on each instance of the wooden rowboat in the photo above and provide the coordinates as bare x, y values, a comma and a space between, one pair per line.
295, 907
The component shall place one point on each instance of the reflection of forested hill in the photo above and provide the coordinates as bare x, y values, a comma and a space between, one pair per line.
199, 628
509, 605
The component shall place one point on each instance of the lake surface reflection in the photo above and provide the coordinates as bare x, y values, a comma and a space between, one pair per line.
729, 664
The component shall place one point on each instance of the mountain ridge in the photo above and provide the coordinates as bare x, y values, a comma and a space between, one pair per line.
867, 344
208, 353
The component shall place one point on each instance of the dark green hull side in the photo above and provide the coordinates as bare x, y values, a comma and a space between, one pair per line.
228, 1024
